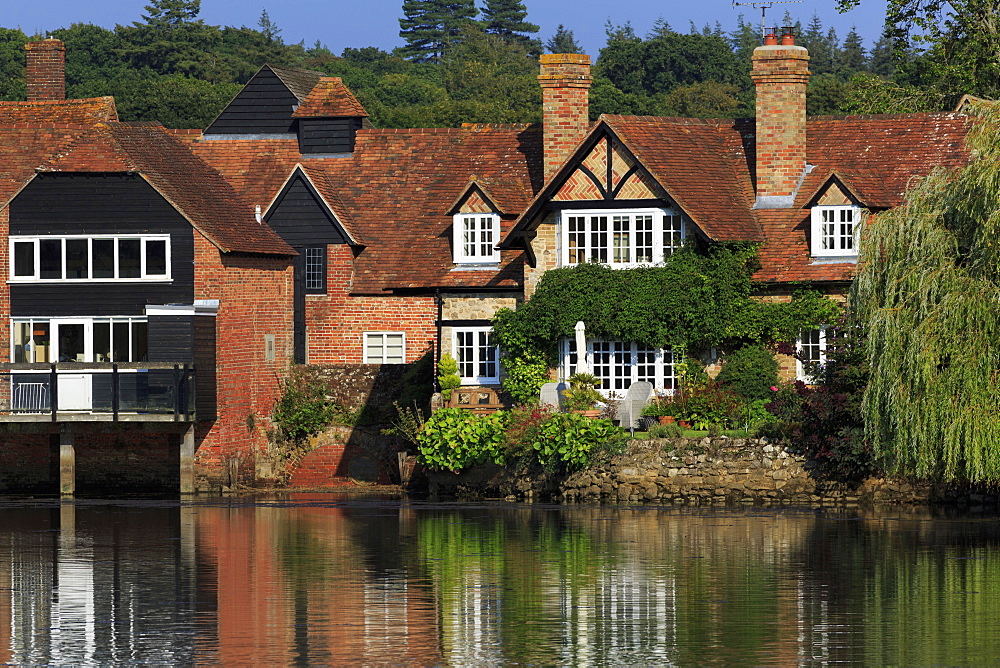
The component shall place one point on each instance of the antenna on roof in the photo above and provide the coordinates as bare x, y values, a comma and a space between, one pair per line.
764, 6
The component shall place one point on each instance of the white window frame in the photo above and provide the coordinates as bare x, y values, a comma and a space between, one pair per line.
382, 342
830, 237
144, 240
802, 372
479, 360
611, 236
618, 364
91, 354
475, 238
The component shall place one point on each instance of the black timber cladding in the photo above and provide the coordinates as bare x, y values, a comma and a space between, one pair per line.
328, 135
264, 106
63, 204
171, 338
301, 218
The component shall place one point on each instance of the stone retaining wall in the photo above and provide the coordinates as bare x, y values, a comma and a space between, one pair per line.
703, 471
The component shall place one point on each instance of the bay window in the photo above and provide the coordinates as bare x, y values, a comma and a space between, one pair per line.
625, 238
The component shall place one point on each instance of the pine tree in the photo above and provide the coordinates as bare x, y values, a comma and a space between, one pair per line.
430, 26
562, 42
270, 31
852, 56
171, 13
882, 60
505, 19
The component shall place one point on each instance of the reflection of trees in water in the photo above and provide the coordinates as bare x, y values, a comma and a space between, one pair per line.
912, 588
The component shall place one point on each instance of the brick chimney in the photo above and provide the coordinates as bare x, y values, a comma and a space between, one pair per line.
780, 74
46, 75
565, 81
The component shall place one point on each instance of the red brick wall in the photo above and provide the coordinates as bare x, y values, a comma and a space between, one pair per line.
336, 322
780, 74
45, 76
565, 81
255, 299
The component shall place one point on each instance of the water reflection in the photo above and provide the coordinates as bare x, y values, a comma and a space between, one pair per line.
306, 580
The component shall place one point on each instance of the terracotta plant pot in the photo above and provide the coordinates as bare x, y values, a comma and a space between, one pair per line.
665, 419
685, 424
590, 412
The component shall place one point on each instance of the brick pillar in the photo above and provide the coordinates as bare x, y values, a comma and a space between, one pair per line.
565, 81
780, 74
46, 75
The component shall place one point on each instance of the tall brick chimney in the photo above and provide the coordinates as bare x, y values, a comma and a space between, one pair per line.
565, 81
46, 76
780, 74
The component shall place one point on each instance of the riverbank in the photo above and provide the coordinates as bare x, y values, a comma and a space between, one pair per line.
695, 472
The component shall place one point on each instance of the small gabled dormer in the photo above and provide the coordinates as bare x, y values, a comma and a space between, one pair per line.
329, 119
475, 228
835, 215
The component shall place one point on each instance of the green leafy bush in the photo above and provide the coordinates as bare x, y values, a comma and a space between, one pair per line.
448, 378
708, 404
302, 409
454, 438
525, 376
666, 431
582, 393
567, 441
751, 372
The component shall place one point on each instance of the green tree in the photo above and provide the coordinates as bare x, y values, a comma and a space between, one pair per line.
429, 27
12, 59
706, 99
562, 42
506, 20
269, 29
170, 14
852, 57
926, 293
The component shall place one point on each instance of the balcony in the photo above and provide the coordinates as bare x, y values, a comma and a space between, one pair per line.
97, 392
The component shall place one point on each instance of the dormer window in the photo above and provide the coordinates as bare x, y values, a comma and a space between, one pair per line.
621, 238
834, 231
475, 238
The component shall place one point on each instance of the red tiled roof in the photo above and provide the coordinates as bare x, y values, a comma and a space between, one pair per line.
47, 113
398, 185
196, 190
329, 97
25, 149
702, 166
257, 168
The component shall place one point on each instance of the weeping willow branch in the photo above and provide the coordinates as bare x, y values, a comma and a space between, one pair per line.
928, 294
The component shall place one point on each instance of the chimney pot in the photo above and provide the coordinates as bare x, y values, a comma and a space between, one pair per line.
771, 37
788, 36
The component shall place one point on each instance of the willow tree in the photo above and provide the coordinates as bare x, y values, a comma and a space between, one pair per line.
928, 293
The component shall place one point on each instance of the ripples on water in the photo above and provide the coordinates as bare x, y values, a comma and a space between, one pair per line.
317, 580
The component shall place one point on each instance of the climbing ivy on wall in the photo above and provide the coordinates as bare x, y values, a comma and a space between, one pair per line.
701, 297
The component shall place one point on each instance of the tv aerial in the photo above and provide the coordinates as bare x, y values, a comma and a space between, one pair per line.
763, 7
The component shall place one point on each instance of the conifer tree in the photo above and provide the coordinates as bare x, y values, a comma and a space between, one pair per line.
506, 20
430, 26
171, 13
562, 42
852, 56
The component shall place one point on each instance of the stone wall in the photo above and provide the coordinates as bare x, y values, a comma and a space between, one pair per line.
353, 385
707, 471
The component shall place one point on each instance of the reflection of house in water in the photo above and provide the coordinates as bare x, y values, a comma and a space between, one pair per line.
96, 592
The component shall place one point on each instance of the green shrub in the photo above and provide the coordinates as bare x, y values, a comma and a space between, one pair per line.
751, 372
454, 438
567, 441
666, 431
448, 378
582, 393
302, 409
525, 376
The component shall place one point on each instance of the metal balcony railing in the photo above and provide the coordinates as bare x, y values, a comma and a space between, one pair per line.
133, 389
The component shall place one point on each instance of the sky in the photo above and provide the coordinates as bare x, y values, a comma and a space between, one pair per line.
338, 24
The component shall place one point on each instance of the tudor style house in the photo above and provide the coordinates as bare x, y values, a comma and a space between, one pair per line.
409, 240
629, 190
140, 289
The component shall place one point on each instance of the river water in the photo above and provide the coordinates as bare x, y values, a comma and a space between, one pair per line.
323, 580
